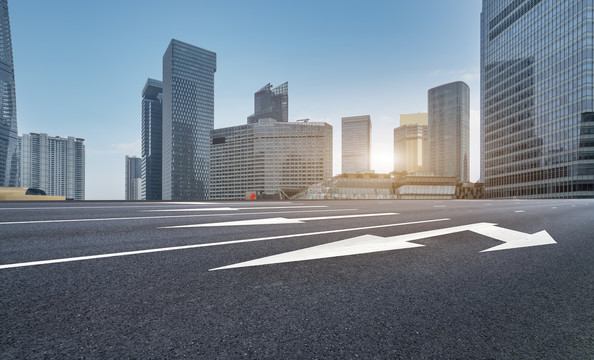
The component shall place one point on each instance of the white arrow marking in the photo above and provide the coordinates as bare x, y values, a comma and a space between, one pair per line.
275, 221
369, 244
514, 239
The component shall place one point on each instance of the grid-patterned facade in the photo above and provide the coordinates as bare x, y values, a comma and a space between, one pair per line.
55, 165
269, 158
411, 143
356, 144
133, 177
271, 103
8, 119
152, 140
537, 111
449, 136
188, 118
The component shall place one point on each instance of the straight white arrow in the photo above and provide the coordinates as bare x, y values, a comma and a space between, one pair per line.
275, 221
370, 243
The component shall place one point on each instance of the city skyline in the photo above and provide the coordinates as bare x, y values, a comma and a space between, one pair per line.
328, 79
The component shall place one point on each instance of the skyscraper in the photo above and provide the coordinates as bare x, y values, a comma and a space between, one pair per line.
537, 111
133, 177
188, 118
53, 164
152, 136
411, 143
8, 120
356, 144
271, 103
449, 122
269, 158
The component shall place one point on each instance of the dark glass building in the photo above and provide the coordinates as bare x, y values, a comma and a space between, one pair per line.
449, 122
271, 103
133, 177
152, 135
8, 119
537, 111
188, 118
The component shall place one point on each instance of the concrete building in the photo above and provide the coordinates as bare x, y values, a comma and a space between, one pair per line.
8, 117
55, 165
188, 118
133, 177
269, 159
271, 103
152, 140
356, 144
411, 143
537, 99
449, 137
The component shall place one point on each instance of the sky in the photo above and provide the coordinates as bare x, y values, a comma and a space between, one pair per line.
80, 66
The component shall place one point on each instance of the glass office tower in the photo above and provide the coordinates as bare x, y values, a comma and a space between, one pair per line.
356, 144
449, 121
188, 118
537, 111
133, 177
271, 103
152, 135
411, 143
8, 120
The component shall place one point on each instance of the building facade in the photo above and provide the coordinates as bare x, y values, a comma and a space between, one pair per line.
133, 177
269, 159
271, 103
55, 165
449, 136
188, 118
152, 140
356, 144
8, 119
411, 143
537, 111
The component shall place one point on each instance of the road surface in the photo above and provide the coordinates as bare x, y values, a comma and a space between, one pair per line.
315, 280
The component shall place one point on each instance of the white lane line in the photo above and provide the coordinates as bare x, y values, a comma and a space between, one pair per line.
275, 221
519, 211
241, 208
184, 247
439, 206
161, 217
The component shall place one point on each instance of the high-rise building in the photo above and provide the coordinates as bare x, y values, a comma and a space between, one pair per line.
537, 111
269, 159
188, 118
411, 143
133, 177
8, 119
152, 144
356, 144
271, 103
55, 165
449, 122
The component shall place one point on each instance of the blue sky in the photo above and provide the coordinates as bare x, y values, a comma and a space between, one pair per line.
80, 65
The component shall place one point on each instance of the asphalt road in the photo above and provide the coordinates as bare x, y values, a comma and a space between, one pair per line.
131, 280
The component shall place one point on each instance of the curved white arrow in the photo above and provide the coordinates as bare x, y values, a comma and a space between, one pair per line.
370, 243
